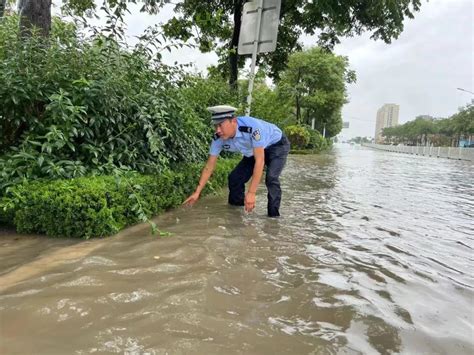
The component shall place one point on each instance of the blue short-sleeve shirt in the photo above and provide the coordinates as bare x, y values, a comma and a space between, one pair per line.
260, 134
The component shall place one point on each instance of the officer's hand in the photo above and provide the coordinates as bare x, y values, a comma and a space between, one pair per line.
191, 200
249, 201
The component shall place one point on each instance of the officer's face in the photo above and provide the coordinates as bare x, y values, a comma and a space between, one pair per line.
226, 129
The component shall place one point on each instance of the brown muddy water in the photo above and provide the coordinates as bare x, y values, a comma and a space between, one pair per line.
374, 254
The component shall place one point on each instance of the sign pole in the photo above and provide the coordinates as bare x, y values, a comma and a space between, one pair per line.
254, 56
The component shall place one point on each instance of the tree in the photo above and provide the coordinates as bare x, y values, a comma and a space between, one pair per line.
268, 105
35, 13
315, 81
216, 24
3, 4
464, 121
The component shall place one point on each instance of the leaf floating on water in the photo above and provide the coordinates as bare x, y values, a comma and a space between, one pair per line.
166, 234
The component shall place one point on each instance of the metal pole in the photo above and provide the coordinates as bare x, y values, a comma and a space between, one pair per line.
254, 56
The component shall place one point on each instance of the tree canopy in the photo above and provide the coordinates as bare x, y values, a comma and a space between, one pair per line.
315, 82
214, 25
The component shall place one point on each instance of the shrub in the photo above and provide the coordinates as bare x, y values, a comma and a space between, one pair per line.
87, 106
99, 206
316, 140
298, 136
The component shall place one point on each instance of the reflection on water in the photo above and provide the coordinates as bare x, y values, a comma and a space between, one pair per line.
373, 254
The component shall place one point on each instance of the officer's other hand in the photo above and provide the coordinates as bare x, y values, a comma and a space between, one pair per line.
191, 200
249, 201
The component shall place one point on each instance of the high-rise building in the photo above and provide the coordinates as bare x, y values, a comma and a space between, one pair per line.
387, 116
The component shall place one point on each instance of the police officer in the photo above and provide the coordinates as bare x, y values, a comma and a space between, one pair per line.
262, 144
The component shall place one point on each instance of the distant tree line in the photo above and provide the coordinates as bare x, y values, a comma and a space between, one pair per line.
436, 132
359, 140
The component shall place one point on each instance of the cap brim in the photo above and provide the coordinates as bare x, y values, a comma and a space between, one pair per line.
219, 120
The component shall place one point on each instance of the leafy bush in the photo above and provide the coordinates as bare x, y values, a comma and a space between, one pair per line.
316, 140
305, 140
102, 205
298, 136
77, 107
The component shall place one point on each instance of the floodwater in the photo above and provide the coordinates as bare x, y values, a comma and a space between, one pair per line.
373, 254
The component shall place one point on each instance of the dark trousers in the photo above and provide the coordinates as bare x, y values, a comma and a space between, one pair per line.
275, 159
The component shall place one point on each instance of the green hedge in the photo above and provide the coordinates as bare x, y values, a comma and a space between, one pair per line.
298, 136
102, 205
305, 140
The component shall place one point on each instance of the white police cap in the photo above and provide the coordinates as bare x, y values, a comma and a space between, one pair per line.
221, 112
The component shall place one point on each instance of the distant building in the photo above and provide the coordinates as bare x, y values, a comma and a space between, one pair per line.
387, 116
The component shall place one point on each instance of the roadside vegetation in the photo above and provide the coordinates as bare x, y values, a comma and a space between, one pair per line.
83, 119
446, 132
96, 134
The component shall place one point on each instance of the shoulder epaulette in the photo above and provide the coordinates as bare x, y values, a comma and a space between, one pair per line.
245, 129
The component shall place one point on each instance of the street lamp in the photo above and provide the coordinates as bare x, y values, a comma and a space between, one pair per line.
465, 90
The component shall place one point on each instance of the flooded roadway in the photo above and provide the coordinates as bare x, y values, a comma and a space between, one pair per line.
374, 254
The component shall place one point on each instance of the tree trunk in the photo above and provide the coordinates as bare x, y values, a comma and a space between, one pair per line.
3, 4
233, 56
298, 108
35, 13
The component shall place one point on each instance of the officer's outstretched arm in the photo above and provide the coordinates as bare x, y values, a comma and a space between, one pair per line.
205, 175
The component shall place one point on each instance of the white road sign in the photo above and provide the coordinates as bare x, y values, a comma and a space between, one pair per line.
267, 34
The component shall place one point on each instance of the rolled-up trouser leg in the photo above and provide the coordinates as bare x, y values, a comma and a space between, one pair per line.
275, 159
237, 179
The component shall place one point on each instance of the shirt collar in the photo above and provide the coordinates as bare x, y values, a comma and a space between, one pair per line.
238, 133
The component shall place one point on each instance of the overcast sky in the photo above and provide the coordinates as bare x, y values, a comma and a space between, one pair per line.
420, 71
